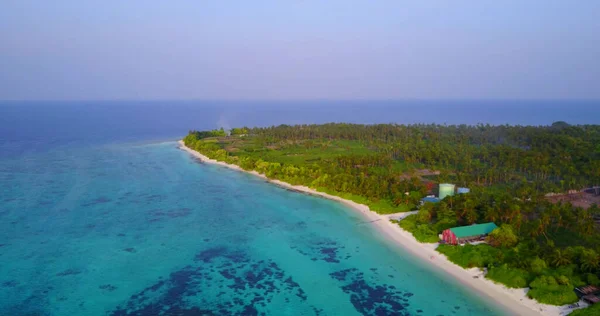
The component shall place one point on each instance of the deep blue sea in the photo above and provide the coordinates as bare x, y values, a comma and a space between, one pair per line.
102, 214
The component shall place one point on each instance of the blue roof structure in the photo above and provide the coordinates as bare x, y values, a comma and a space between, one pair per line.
430, 199
462, 190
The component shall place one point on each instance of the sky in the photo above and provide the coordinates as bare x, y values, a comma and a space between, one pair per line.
292, 49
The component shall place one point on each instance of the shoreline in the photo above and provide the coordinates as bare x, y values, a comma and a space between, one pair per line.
514, 301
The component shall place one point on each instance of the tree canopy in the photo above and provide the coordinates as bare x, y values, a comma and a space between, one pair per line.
389, 167
503, 236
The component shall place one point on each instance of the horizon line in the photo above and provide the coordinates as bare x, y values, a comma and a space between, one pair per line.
302, 100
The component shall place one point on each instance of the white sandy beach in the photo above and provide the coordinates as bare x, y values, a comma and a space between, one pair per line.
514, 301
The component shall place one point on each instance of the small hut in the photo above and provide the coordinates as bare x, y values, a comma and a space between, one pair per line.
591, 299
589, 293
459, 235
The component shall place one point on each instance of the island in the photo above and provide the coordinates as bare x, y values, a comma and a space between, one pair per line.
510, 210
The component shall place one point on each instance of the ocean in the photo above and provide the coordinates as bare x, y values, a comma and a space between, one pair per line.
102, 214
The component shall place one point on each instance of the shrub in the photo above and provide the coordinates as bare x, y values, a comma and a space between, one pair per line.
546, 289
444, 224
469, 256
422, 232
544, 280
424, 215
569, 272
593, 310
562, 280
503, 236
511, 277
593, 279
537, 265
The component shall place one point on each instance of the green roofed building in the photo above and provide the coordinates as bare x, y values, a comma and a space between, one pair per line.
464, 234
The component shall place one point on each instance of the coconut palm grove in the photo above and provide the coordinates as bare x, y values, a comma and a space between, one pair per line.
538, 184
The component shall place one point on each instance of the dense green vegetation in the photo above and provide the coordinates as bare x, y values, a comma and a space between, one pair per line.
594, 310
470, 256
550, 248
214, 133
344, 168
422, 232
530, 160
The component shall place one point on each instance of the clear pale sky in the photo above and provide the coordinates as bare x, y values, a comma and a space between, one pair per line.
286, 49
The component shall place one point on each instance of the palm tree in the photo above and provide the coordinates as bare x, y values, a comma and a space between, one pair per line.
519, 259
541, 225
491, 214
590, 260
471, 216
560, 258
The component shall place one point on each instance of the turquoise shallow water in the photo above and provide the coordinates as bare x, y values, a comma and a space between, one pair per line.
146, 229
